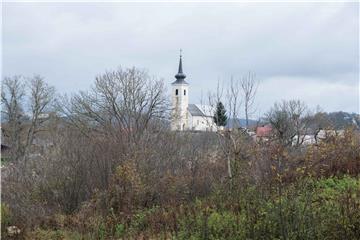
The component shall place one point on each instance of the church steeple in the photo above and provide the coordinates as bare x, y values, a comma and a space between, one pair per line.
180, 100
180, 76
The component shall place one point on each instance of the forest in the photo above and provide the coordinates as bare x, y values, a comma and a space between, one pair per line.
103, 164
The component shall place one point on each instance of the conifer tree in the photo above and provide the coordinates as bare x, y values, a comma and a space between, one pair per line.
220, 117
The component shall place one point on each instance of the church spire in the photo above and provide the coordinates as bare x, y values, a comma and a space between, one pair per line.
180, 63
180, 76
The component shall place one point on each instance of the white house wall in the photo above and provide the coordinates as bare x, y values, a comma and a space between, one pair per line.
199, 123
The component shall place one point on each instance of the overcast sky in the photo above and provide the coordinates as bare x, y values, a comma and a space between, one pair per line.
298, 51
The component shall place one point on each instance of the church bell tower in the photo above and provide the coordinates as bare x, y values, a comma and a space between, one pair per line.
180, 100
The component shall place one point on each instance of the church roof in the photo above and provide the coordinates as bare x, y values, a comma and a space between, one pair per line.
194, 110
201, 110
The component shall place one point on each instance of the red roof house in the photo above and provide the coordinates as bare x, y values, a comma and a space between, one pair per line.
263, 131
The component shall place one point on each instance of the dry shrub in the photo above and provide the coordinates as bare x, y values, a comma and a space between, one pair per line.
336, 155
125, 188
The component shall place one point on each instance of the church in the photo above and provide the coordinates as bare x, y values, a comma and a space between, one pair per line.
185, 116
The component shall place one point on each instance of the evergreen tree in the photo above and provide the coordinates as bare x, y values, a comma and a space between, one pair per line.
220, 117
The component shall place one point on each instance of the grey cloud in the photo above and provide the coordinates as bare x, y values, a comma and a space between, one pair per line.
304, 45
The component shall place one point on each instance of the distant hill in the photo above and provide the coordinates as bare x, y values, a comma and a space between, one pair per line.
239, 122
342, 120
337, 120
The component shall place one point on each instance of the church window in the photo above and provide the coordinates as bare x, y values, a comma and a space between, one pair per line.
184, 92
176, 92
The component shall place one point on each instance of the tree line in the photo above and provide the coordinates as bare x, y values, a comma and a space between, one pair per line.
106, 166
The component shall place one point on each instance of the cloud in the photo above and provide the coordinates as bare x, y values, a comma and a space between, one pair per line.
307, 45
331, 95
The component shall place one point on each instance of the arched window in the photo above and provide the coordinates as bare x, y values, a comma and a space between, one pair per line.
176, 92
184, 92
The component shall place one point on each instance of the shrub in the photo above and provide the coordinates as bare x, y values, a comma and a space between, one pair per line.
5, 215
119, 230
102, 231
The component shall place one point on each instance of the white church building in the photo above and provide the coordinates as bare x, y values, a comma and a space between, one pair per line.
185, 116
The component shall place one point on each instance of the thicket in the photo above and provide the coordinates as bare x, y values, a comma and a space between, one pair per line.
114, 171
163, 192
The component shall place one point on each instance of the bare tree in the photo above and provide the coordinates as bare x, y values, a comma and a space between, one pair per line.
12, 94
318, 121
234, 99
40, 100
19, 130
249, 86
121, 104
289, 120
209, 105
231, 140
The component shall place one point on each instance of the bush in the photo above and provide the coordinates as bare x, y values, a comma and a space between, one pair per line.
40, 234
309, 209
119, 230
5, 216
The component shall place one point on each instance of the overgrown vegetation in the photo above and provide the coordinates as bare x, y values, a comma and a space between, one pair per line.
108, 168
